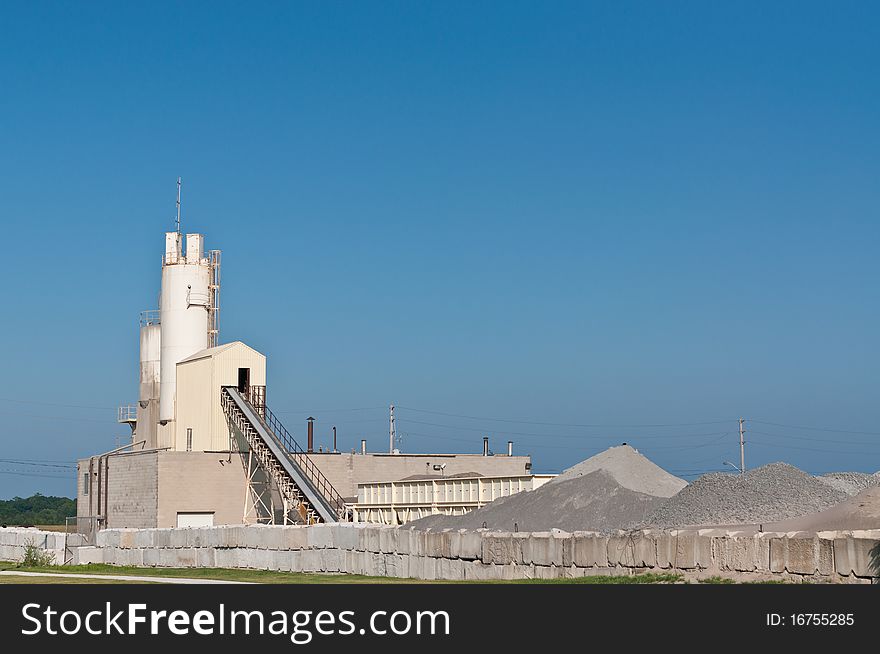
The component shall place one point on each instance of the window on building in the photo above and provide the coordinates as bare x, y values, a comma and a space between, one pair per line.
86, 483
189, 440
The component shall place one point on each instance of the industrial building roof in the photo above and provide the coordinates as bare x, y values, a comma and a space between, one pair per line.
211, 351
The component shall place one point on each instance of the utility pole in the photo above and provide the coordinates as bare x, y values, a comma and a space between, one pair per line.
178, 205
391, 433
742, 448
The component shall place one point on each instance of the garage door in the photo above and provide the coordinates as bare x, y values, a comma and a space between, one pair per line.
195, 519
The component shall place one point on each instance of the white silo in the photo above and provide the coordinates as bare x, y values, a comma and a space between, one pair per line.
185, 304
149, 388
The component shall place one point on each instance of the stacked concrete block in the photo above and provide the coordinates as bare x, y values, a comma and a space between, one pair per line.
620, 551
145, 538
178, 538
310, 561
161, 537
126, 538
107, 538
473, 554
438, 542
478, 571
397, 565
319, 536
198, 536
407, 541
589, 549
470, 544
418, 542
345, 536
131, 556
800, 554
355, 561
387, 539
544, 548
666, 549
375, 564
214, 537
151, 557
86, 555
548, 572
206, 557
741, 553
857, 554
178, 557
503, 547
692, 550
368, 538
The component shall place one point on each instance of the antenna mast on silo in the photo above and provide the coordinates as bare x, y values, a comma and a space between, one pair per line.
178, 205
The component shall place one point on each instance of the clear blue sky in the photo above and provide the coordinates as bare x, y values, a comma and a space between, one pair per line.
608, 213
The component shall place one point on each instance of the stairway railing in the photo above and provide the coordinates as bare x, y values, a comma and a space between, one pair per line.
296, 454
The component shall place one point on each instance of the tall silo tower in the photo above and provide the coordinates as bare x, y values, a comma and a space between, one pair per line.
188, 309
148, 389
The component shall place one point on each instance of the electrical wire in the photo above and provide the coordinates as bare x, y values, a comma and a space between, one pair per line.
65, 406
826, 429
569, 436
39, 465
565, 424
807, 438
810, 449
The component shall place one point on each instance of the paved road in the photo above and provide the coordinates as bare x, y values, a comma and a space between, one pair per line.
158, 580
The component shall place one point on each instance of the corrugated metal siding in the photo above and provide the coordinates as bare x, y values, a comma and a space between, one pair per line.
198, 393
225, 373
193, 406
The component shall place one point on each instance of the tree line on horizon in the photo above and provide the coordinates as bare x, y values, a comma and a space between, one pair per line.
36, 510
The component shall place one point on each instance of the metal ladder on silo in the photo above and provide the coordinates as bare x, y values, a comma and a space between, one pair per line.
305, 491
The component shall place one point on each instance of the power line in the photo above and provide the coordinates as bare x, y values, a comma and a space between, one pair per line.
565, 424
64, 418
33, 474
826, 429
816, 440
40, 465
812, 449
66, 406
483, 430
310, 411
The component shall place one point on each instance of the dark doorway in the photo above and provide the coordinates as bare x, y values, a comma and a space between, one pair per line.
244, 379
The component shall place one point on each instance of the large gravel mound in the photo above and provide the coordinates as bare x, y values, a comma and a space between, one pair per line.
630, 469
591, 502
850, 483
774, 492
859, 512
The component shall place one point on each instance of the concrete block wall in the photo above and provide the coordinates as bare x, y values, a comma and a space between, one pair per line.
14, 541
376, 550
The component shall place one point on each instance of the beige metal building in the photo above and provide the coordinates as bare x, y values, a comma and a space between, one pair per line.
200, 424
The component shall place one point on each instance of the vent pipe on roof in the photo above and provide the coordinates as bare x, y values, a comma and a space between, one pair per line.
485, 446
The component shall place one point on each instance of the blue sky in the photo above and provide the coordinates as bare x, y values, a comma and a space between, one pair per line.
590, 222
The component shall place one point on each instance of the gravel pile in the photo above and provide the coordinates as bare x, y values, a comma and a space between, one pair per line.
629, 469
850, 483
774, 492
590, 502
